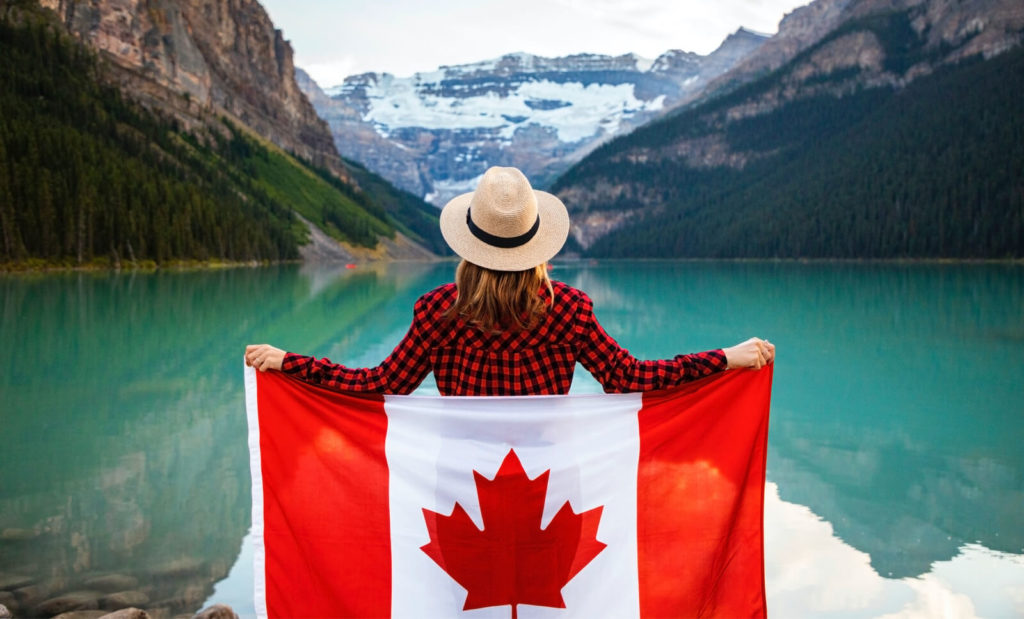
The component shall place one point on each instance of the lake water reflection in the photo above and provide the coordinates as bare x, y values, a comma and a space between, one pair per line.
896, 478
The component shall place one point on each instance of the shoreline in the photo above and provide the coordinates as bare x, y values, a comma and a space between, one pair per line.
39, 265
805, 260
42, 266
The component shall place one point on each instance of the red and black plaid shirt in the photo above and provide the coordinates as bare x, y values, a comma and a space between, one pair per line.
468, 361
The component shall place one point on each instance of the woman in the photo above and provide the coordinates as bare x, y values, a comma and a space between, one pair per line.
503, 327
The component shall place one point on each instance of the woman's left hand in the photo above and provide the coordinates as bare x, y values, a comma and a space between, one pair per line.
755, 353
264, 357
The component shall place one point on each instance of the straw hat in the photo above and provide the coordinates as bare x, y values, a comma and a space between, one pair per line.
505, 225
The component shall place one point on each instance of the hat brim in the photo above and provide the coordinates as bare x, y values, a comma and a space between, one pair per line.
550, 237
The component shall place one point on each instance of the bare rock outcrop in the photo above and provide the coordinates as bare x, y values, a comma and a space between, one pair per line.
198, 60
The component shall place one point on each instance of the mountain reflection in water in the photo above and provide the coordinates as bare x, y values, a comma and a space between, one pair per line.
896, 477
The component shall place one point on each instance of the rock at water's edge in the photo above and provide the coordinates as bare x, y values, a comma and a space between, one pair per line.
128, 613
217, 611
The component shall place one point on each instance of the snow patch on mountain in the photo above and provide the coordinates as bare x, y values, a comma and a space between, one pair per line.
575, 111
448, 188
644, 64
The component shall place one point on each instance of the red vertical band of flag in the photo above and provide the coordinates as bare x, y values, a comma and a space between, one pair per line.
700, 497
325, 501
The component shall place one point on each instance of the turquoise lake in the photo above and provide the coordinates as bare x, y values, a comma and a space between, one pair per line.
895, 482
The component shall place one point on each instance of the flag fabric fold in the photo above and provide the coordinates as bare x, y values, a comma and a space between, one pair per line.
605, 505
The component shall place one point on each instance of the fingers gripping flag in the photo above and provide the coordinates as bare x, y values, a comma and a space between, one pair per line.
615, 505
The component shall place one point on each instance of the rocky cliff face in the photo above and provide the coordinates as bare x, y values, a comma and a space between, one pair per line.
833, 47
200, 59
797, 31
434, 134
826, 37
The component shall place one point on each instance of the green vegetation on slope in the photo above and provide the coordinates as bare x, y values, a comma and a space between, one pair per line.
89, 177
933, 170
410, 214
333, 206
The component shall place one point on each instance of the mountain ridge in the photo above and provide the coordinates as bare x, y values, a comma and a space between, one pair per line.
434, 133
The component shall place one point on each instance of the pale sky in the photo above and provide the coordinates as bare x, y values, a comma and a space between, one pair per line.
336, 38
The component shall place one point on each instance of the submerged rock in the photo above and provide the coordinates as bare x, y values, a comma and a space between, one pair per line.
9, 582
177, 568
75, 600
31, 595
82, 614
17, 535
124, 599
112, 582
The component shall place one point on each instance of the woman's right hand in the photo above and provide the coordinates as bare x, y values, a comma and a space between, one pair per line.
264, 357
754, 353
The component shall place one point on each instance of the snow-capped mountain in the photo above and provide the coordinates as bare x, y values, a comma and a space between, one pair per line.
434, 134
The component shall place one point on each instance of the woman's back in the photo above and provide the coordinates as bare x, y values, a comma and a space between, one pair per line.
467, 360
534, 360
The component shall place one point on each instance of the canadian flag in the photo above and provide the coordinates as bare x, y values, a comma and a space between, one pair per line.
615, 505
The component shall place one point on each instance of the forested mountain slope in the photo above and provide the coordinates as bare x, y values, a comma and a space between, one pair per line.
878, 140
88, 175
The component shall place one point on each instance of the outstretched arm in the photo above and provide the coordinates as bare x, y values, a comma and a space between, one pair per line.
402, 371
618, 371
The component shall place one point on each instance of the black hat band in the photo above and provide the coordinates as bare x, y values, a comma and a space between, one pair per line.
503, 242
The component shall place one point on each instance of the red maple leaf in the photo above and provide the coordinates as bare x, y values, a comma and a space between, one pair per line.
512, 560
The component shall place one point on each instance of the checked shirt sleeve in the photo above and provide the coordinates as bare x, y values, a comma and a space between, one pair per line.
620, 372
402, 371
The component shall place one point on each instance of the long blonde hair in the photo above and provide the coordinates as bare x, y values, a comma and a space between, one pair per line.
500, 300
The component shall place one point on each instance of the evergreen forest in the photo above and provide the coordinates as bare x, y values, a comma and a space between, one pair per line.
932, 170
88, 177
